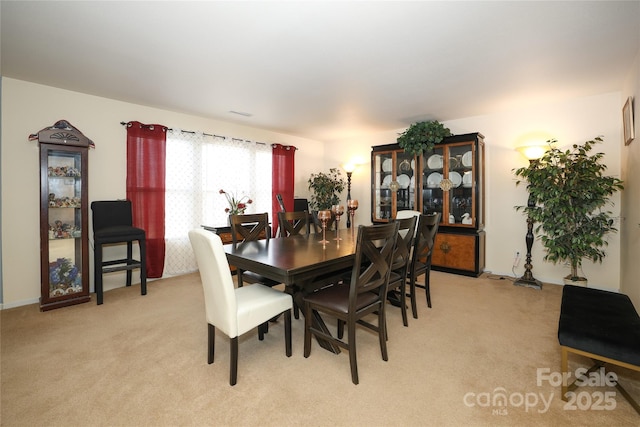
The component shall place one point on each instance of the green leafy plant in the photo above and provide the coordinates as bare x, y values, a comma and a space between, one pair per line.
422, 136
570, 192
325, 189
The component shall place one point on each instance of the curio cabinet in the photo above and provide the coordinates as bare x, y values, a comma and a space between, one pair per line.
64, 247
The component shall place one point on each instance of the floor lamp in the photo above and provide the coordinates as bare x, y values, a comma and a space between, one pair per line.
349, 168
532, 153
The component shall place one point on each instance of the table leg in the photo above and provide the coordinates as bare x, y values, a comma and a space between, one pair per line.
318, 323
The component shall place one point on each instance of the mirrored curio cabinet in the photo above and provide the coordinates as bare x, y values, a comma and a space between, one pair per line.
64, 247
448, 179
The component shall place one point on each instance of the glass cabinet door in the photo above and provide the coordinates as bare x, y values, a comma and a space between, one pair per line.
63, 226
393, 184
406, 182
433, 174
460, 174
450, 184
382, 177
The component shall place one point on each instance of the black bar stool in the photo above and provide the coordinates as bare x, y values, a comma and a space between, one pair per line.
112, 224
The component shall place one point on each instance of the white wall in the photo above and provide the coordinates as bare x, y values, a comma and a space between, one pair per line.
28, 107
573, 121
630, 230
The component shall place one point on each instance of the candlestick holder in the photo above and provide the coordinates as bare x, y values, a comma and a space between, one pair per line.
324, 217
352, 205
338, 211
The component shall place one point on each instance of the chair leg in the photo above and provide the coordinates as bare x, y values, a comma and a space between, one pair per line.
97, 271
382, 333
351, 332
261, 330
426, 286
129, 258
233, 375
143, 266
287, 332
340, 329
412, 289
211, 342
403, 303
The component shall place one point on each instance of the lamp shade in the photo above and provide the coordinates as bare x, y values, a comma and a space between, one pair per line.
349, 167
533, 152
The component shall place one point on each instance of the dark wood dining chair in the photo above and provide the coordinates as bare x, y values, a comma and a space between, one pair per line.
281, 202
293, 223
248, 228
234, 311
400, 265
363, 294
421, 257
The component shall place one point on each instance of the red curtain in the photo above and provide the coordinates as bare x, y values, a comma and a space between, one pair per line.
282, 181
146, 155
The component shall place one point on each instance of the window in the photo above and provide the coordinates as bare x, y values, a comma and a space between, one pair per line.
198, 166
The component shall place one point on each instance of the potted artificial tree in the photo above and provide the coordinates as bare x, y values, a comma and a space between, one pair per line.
570, 192
422, 136
325, 189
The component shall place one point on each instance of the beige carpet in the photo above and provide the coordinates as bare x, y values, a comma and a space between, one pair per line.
138, 361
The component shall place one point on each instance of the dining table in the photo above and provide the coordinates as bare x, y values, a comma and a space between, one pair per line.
302, 263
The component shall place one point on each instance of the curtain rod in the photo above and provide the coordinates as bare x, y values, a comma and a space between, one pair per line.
208, 134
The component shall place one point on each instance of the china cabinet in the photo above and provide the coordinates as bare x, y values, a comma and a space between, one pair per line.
449, 179
453, 184
64, 245
393, 182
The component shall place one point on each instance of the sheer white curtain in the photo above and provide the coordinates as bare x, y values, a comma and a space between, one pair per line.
198, 167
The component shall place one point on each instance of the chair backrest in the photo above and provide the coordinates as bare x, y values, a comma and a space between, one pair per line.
250, 227
111, 213
406, 231
317, 224
375, 248
425, 238
408, 214
280, 202
219, 294
293, 223
300, 205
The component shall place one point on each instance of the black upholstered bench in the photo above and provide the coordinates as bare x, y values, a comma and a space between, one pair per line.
601, 325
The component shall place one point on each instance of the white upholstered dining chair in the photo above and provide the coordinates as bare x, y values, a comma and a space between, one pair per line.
407, 214
234, 311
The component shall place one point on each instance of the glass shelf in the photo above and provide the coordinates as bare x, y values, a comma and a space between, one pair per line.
63, 223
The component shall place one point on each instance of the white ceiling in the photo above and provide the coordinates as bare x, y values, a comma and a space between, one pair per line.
324, 70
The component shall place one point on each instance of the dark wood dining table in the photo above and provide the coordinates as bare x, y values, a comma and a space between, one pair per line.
302, 263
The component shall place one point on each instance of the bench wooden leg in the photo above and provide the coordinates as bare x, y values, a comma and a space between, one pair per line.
564, 369
598, 363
